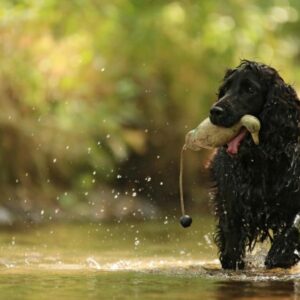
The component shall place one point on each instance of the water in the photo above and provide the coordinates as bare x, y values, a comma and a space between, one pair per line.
130, 260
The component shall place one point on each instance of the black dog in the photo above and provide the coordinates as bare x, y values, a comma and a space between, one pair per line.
257, 194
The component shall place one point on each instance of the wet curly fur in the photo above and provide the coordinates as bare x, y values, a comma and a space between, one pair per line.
257, 191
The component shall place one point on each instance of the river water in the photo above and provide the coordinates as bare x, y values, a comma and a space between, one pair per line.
130, 260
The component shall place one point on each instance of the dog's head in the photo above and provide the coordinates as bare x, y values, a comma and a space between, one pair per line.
256, 89
244, 91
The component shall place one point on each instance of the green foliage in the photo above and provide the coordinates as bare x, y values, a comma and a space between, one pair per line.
90, 89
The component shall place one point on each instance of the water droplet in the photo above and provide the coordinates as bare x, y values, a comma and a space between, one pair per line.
207, 239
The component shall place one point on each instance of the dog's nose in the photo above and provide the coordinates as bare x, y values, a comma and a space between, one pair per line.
216, 111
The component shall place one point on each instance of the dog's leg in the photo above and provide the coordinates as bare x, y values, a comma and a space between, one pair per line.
231, 244
284, 250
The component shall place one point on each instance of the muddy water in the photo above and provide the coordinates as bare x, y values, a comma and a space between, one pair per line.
130, 260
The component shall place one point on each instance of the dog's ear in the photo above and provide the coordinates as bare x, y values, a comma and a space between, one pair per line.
280, 98
281, 113
281, 101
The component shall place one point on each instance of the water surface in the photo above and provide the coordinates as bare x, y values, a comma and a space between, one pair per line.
130, 260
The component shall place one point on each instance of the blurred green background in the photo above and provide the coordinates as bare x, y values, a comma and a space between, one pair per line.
97, 95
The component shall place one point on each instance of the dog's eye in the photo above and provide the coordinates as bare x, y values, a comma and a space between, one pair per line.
250, 89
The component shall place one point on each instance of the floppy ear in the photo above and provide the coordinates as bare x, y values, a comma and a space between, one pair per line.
281, 115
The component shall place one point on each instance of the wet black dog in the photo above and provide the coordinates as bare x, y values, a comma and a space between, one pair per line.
257, 194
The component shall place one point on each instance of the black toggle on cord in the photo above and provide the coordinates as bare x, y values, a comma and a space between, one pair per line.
185, 220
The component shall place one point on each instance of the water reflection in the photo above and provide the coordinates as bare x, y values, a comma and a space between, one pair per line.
257, 290
138, 285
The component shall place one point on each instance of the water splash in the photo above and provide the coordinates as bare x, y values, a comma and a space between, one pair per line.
35, 262
92, 263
